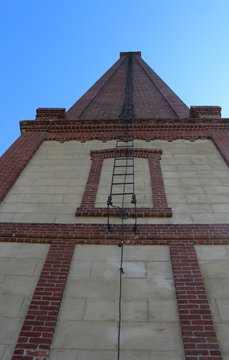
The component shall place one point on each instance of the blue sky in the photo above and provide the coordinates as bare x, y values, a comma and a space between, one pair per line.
52, 51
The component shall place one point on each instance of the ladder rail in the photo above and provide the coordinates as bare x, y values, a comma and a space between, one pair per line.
124, 156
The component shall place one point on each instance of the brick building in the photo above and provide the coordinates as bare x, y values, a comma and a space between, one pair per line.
61, 278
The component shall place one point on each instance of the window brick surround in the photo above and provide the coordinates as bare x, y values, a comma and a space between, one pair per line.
160, 208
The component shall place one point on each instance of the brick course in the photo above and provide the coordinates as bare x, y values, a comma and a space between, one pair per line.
155, 234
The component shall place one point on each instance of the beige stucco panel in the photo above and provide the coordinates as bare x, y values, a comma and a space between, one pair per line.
20, 267
214, 264
88, 320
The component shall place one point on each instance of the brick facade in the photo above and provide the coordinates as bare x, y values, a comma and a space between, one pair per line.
203, 343
84, 122
199, 340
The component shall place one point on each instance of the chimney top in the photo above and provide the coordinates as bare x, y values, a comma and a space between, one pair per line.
127, 53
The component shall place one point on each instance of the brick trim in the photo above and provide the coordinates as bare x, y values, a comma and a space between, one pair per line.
39, 325
199, 337
157, 234
221, 142
106, 129
16, 158
160, 208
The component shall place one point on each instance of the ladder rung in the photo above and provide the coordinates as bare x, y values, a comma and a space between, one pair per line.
126, 193
127, 174
125, 166
123, 183
123, 158
124, 146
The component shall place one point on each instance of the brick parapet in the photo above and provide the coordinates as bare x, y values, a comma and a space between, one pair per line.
199, 337
51, 114
205, 112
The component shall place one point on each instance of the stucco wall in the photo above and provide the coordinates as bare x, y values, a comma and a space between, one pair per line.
51, 187
20, 267
214, 264
87, 327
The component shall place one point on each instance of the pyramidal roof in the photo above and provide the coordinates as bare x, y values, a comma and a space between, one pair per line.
151, 97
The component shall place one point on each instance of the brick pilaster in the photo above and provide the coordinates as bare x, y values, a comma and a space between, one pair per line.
199, 338
36, 335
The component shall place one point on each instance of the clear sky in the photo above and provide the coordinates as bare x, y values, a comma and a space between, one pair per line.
52, 51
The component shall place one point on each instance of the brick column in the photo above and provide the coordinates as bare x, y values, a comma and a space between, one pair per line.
200, 342
36, 335
16, 158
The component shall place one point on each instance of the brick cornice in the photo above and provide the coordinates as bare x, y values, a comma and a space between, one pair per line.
55, 126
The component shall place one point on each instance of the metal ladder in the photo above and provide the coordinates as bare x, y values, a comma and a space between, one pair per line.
122, 190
